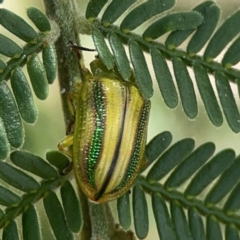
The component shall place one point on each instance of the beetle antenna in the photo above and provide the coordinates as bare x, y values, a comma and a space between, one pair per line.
75, 46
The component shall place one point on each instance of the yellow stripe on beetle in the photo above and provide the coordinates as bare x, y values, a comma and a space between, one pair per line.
109, 134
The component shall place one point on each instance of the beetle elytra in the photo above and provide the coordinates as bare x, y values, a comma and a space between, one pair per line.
109, 137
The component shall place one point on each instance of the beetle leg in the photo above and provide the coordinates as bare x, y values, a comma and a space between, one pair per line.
65, 144
70, 98
70, 127
68, 169
86, 73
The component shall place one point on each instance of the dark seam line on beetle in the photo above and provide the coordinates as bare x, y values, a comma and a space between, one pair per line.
116, 155
132, 162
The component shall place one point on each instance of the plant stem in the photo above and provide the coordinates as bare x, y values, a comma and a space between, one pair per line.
64, 14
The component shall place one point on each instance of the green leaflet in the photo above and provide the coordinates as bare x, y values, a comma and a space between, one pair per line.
33, 164
143, 12
210, 12
189, 166
180, 222
186, 89
30, 224
102, 49
17, 26
196, 224
9, 48
209, 172
205, 30
228, 102
120, 56
58, 160
4, 144
114, 10
10, 232
156, 147
171, 22
140, 212
164, 79
17, 178
10, 117
143, 76
56, 217
213, 230
162, 217
124, 214
8, 198
224, 184
168, 160
225, 33
50, 61
71, 207
208, 96
39, 19
237, 81
231, 232
232, 56
23, 96
2, 65
93, 8
38, 77
232, 204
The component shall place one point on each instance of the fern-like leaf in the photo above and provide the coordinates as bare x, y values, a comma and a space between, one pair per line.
195, 169
68, 216
204, 17
11, 127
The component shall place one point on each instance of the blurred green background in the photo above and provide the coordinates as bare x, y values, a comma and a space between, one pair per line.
50, 128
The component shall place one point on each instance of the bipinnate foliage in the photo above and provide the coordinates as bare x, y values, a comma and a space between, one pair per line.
19, 105
178, 172
199, 24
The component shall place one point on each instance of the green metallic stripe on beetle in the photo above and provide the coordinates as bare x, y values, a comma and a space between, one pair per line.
86, 141
140, 140
96, 143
